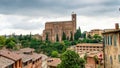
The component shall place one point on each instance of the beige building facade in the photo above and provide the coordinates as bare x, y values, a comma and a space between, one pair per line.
54, 29
94, 31
112, 48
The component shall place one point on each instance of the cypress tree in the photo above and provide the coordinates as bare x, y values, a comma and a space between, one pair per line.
46, 36
57, 38
77, 34
63, 36
71, 38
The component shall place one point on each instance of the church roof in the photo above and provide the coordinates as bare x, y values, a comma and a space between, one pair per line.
54, 22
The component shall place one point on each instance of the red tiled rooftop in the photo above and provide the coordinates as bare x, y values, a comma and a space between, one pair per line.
35, 56
27, 50
25, 57
53, 62
5, 62
10, 55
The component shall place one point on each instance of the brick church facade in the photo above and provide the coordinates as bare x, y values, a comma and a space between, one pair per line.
54, 29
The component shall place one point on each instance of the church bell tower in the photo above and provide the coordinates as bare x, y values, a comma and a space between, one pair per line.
74, 21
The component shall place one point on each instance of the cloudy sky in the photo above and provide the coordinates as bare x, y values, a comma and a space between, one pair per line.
25, 16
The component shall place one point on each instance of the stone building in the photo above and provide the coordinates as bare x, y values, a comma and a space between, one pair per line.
88, 47
94, 31
37, 36
91, 50
112, 48
56, 28
6, 63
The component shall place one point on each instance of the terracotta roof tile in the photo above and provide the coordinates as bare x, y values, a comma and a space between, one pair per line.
27, 50
35, 56
5, 62
25, 57
53, 62
44, 57
10, 55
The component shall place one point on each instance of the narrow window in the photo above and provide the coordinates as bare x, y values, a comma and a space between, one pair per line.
115, 40
108, 40
111, 40
111, 61
104, 40
119, 58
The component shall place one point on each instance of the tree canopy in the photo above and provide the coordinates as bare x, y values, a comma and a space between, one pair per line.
54, 54
70, 59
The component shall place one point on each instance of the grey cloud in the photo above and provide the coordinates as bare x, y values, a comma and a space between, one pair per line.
26, 25
55, 7
20, 22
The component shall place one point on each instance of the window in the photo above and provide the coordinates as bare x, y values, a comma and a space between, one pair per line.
115, 40
105, 40
119, 58
111, 61
109, 42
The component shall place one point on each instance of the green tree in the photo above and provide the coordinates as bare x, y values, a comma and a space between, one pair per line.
20, 37
2, 41
70, 59
83, 35
47, 37
57, 38
67, 43
10, 45
63, 36
10, 39
77, 34
96, 60
25, 43
54, 54
85, 57
89, 36
71, 37
97, 38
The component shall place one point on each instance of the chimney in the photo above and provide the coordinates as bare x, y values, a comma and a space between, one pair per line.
116, 26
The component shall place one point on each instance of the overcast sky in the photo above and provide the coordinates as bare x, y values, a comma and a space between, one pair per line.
25, 16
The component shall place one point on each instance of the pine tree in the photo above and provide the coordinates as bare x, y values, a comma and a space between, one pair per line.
77, 34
